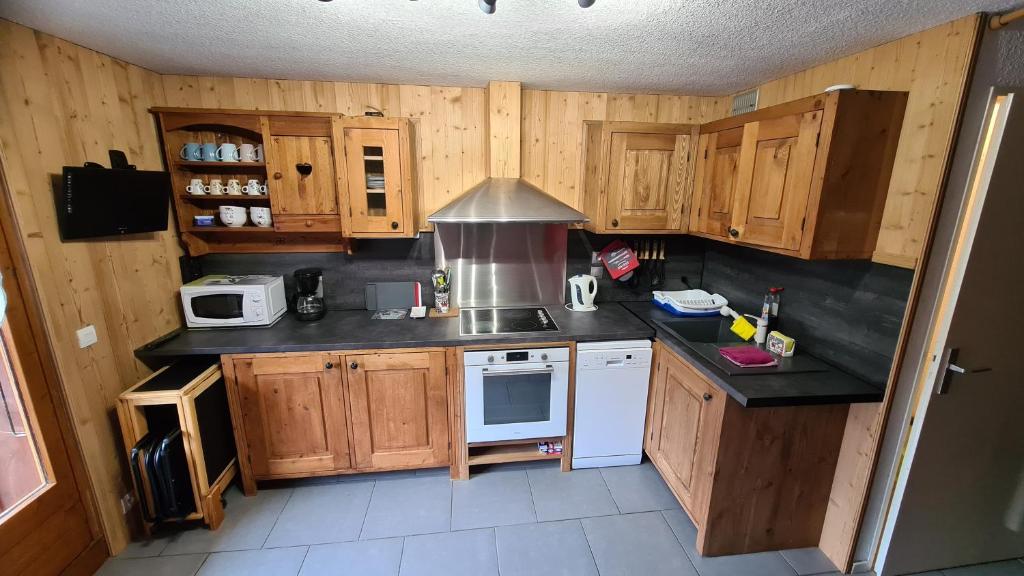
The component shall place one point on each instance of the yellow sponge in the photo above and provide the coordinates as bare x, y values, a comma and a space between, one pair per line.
742, 328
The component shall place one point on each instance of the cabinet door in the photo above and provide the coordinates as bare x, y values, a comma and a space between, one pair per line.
714, 189
648, 180
301, 172
687, 413
776, 166
374, 175
293, 414
398, 403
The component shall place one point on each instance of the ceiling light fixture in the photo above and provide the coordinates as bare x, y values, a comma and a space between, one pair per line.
586, 3
488, 6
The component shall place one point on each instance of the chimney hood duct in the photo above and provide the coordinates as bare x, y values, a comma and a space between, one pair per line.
497, 200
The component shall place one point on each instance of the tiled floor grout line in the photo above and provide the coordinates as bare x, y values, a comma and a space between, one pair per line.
678, 541
304, 556
201, 564
497, 562
401, 555
291, 493
533, 502
362, 525
589, 545
600, 472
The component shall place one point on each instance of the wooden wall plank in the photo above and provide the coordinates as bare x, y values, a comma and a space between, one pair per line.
504, 125
932, 65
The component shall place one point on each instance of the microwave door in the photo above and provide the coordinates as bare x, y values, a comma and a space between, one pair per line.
220, 308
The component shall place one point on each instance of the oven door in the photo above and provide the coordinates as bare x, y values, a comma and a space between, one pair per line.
515, 401
219, 307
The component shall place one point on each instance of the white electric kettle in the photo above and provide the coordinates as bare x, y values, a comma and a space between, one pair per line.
582, 289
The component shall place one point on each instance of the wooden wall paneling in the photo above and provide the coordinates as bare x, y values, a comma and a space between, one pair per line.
632, 107
933, 66
534, 145
62, 104
504, 126
475, 159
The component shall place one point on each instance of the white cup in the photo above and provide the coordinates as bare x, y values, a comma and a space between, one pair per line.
247, 153
232, 216
234, 188
216, 187
196, 187
258, 152
228, 152
254, 188
260, 216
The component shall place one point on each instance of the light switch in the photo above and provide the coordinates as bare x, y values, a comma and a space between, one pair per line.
86, 336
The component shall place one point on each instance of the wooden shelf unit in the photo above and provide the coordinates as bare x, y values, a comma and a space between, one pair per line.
511, 451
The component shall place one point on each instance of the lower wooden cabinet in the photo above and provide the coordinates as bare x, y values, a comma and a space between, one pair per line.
751, 479
316, 414
399, 409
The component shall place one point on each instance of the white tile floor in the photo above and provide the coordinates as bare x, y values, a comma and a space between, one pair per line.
514, 520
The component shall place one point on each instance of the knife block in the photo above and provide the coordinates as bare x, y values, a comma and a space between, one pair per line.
189, 395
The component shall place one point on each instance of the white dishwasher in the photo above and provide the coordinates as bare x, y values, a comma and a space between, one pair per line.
611, 402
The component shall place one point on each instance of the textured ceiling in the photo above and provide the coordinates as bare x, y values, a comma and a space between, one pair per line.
684, 46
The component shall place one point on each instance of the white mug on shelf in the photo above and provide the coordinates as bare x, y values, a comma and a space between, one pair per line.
216, 187
260, 216
234, 188
247, 153
232, 216
254, 188
258, 152
227, 152
196, 187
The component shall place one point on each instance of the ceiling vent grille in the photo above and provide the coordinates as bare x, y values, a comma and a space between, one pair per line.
744, 102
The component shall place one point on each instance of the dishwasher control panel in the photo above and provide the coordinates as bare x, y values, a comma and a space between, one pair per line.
611, 359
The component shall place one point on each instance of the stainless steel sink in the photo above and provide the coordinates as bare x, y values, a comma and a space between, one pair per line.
706, 336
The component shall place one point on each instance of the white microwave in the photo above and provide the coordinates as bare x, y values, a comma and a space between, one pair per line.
227, 301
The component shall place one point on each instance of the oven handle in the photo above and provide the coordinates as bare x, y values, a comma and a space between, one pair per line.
549, 369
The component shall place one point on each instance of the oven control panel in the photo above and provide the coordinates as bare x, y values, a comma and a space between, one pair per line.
530, 355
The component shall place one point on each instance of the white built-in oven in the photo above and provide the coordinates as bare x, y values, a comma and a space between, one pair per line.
513, 394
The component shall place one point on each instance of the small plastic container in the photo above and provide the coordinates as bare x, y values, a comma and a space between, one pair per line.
203, 221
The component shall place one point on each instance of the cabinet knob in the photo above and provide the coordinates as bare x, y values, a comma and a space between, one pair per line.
329, 365
615, 223
394, 225
354, 365
707, 397
278, 175
734, 232
309, 223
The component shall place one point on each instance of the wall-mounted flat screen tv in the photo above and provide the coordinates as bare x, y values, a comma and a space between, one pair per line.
96, 202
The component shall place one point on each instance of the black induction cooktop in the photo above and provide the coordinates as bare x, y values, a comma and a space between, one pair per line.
476, 321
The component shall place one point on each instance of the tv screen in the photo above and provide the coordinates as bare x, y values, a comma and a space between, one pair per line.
105, 202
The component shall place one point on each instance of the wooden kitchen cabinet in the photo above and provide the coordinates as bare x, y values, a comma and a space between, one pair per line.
301, 173
398, 403
314, 414
751, 479
289, 415
807, 178
637, 176
375, 176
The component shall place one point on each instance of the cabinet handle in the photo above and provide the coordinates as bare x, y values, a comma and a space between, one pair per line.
354, 365
394, 225
707, 397
309, 223
734, 232
329, 365
615, 223
304, 168
278, 175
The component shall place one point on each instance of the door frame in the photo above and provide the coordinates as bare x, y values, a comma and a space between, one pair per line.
24, 311
946, 270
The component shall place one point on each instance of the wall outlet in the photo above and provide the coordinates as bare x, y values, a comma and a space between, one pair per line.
596, 267
86, 336
127, 501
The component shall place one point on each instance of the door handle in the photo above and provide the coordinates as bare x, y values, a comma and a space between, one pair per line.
948, 367
526, 372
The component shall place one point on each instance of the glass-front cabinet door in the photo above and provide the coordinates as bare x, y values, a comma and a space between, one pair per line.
373, 158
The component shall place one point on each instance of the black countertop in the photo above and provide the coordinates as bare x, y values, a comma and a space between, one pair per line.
353, 329
830, 387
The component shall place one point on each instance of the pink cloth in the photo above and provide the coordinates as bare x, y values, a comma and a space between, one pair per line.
748, 356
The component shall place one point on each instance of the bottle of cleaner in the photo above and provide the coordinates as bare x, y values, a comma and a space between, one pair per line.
769, 314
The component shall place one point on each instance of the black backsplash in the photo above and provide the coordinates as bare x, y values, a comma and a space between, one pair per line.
846, 312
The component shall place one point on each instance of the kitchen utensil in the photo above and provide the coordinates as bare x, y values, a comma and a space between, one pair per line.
657, 271
309, 294
582, 290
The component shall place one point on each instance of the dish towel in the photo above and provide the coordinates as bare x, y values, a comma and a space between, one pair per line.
748, 356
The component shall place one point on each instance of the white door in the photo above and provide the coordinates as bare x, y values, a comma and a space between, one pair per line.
959, 497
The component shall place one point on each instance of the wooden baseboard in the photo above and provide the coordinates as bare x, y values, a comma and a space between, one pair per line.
90, 560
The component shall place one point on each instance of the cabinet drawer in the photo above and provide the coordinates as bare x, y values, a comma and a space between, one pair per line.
308, 223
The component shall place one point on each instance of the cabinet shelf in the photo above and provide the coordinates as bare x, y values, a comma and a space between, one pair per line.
503, 452
228, 230
216, 198
221, 167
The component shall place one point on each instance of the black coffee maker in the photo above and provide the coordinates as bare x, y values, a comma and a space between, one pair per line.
309, 294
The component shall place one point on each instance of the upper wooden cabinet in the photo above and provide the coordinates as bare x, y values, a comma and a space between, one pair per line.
375, 177
398, 403
637, 176
807, 178
300, 163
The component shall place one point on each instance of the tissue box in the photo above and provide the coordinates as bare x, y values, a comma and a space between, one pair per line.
780, 344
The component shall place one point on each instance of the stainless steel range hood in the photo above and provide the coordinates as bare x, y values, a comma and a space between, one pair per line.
499, 200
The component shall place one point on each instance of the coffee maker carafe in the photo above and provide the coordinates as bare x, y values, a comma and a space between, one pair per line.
309, 294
